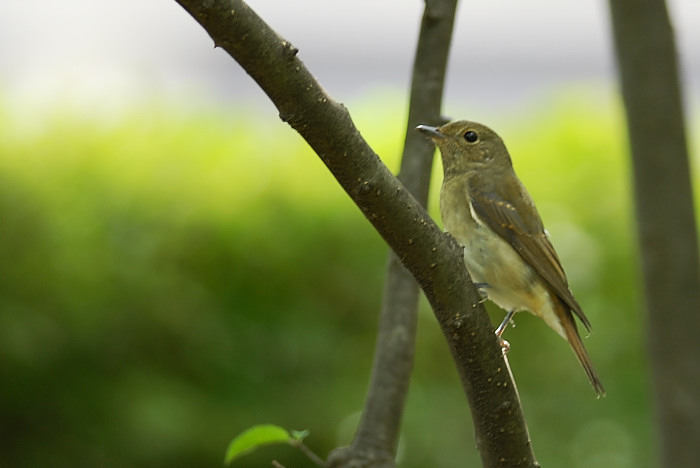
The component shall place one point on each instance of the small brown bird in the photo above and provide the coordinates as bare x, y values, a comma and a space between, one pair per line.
487, 209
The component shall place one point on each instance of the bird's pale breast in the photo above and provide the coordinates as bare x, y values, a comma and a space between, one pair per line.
510, 282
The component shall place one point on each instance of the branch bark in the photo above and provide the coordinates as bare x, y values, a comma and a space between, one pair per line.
648, 68
432, 257
377, 435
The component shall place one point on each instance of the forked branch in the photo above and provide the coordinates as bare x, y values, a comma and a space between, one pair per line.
432, 257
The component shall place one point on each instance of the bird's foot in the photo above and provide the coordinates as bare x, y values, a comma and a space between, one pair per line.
481, 289
505, 346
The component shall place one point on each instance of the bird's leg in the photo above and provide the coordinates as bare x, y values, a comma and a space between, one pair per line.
504, 323
505, 346
481, 289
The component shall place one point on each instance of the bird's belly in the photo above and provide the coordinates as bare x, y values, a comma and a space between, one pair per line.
509, 281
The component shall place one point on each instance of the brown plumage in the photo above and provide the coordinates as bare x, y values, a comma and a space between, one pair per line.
488, 210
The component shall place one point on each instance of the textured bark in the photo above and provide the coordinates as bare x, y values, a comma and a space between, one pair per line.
667, 233
433, 258
377, 435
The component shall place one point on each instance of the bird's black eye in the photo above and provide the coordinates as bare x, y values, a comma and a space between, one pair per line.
471, 137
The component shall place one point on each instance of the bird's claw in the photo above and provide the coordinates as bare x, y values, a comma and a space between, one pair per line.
481, 289
505, 346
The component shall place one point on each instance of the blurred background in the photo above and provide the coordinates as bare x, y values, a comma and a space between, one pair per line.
176, 265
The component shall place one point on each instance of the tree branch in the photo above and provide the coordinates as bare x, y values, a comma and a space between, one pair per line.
648, 68
377, 435
434, 258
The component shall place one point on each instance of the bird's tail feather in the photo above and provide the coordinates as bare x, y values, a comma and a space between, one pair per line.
576, 343
568, 326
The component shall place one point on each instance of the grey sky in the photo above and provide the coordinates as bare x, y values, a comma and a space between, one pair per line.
106, 52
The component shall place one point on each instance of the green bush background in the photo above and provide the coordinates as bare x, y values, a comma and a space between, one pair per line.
170, 277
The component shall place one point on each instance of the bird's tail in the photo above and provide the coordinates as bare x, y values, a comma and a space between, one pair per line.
574, 339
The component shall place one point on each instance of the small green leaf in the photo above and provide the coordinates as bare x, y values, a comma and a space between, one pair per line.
254, 437
299, 436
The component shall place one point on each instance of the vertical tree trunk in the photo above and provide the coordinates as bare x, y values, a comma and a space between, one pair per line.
648, 69
377, 435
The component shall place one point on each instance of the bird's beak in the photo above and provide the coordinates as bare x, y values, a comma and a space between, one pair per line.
431, 132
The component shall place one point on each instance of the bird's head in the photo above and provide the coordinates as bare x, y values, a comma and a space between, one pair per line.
467, 146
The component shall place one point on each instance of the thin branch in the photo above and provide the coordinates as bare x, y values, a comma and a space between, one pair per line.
434, 258
377, 435
310, 454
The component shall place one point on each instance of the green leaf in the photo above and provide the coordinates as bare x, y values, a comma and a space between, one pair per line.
254, 437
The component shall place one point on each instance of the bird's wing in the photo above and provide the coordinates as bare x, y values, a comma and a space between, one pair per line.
506, 216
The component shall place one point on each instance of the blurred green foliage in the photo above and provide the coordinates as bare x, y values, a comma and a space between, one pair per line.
170, 277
